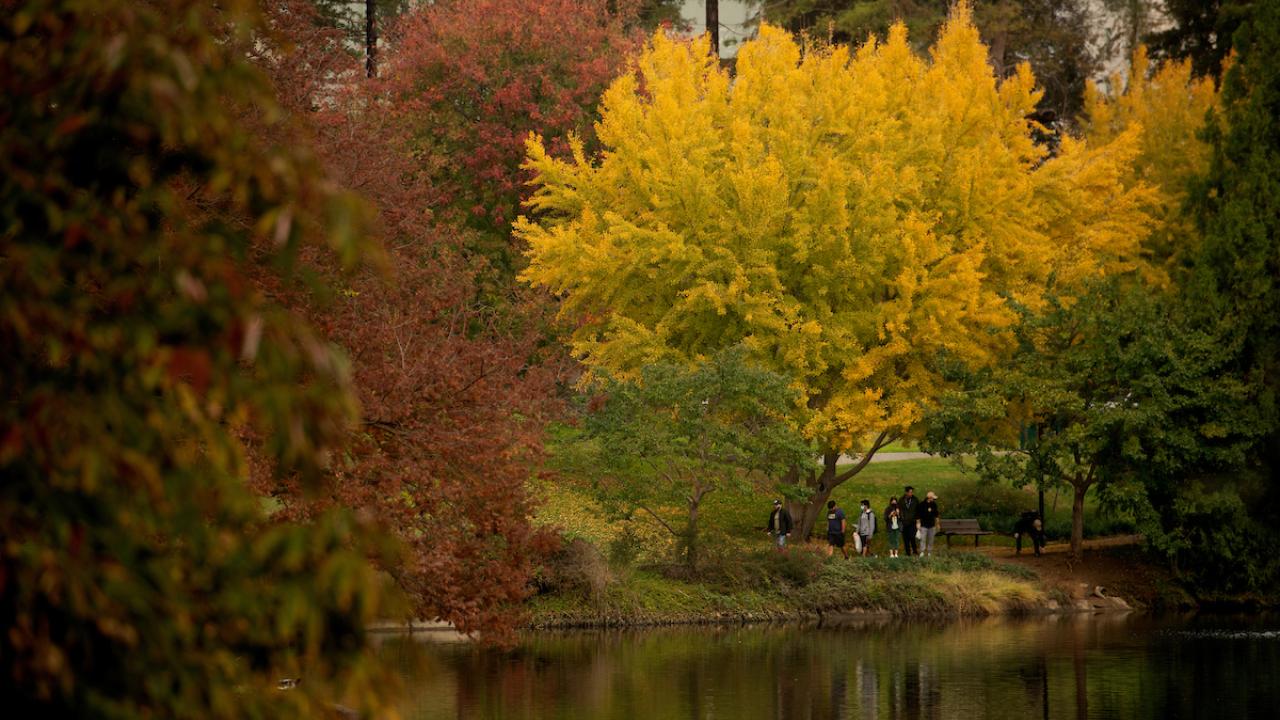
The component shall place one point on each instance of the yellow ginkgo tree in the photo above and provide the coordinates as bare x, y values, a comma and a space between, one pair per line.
1167, 107
859, 220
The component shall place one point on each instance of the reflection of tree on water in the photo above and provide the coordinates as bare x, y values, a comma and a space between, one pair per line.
838, 691
1081, 673
924, 692
1057, 667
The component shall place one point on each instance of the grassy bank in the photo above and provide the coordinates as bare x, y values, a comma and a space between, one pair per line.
801, 584
624, 570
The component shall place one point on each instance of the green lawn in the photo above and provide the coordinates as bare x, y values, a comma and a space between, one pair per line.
741, 576
739, 517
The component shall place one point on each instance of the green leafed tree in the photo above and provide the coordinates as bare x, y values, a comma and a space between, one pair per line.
855, 219
138, 575
659, 444
1104, 389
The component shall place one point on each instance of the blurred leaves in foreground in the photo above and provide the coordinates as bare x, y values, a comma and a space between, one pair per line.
137, 574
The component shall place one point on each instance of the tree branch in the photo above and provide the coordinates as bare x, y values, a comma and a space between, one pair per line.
883, 439
661, 522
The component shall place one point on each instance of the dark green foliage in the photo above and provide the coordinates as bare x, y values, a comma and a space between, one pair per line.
1114, 386
1201, 30
138, 576
653, 14
1053, 35
1218, 522
996, 506
349, 17
625, 548
658, 445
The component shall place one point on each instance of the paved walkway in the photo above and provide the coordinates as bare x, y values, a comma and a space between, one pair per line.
887, 457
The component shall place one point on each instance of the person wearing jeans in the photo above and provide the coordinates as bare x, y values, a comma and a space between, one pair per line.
779, 525
927, 516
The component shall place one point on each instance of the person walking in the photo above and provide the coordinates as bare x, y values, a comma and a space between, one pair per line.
928, 516
835, 529
910, 504
866, 527
779, 525
893, 525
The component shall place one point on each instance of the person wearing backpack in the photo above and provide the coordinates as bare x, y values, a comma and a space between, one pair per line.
866, 527
836, 527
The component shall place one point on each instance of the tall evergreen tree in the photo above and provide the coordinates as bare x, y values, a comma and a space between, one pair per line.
1239, 212
1213, 517
1201, 32
1050, 34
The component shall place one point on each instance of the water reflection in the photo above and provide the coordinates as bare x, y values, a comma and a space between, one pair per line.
1078, 666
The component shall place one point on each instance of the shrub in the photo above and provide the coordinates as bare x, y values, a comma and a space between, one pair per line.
996, 506
576, 568
625, 548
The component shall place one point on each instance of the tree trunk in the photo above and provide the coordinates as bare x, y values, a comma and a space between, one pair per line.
1080, 487
713, 26
370, 38
691, 535
822, 486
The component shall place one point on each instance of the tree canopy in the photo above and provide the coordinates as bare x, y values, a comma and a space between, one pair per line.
676, 434
854, 218
1052, 35
472, 79
1168, 108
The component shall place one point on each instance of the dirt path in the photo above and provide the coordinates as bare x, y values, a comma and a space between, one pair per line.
1115, 563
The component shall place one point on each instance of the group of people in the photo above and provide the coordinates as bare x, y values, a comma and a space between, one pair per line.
911, 524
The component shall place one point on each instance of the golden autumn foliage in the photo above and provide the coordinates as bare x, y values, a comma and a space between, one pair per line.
857, 219
1167, 107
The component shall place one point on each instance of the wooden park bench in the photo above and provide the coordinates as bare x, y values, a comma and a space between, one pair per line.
951, 527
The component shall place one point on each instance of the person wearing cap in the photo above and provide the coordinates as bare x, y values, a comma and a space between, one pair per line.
779, 525
928, 518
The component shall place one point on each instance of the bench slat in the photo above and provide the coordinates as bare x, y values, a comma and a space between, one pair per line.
948, 528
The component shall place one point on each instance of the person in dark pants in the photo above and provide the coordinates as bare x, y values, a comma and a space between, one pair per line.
927, 515
1029, 526
893, 522
835, 529
910, 505
780, 525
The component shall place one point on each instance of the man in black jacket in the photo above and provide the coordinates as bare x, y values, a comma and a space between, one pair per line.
780, 525
910, 506
1029, 526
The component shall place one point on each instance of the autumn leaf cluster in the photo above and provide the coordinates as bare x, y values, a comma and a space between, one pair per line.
856, 218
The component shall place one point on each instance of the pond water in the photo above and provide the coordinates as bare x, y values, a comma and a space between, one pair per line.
1075, 666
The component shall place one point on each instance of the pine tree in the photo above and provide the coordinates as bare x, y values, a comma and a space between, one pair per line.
1239, 214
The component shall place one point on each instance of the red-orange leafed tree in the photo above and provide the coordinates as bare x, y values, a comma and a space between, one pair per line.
454, 394
473, 78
